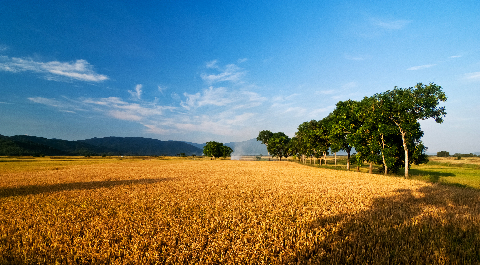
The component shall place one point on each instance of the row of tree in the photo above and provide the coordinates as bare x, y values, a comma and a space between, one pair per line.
216, 149
382, 129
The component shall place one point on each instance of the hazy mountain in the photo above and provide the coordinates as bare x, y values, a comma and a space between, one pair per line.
249, 147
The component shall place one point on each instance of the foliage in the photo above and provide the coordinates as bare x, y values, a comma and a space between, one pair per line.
382, 129
443, 154
226, 151
278, 145
405, 106
264, 136
344, 122
465, 155
213, 149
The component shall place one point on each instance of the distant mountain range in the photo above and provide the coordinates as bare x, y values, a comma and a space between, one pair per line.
23, 145
38, 146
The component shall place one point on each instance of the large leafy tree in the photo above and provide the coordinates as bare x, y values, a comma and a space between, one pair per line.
376, 139
304, 143
264, 136
343, 123
278, 145
404, 107
226, 151
213, 149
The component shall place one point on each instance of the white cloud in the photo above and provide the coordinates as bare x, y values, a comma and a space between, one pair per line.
137, 93
155, 130
354, 58
473, 76
326, 92
230, 73
125, 115
455, 56
349, 85
212, 64
64, 106
79, 70
390, 24
210, 96
419, 67
161, 89
119, 109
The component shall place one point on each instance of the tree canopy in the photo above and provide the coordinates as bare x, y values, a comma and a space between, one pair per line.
382, 129
216, 149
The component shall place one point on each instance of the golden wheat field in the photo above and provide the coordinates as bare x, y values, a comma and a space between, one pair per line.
231, 212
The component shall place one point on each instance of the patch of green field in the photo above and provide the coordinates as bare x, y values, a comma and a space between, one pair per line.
463, 173
467, 175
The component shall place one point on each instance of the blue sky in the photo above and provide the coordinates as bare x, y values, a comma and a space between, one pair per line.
224, 70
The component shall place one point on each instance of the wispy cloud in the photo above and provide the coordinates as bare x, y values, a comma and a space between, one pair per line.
355, 58
210, 96
64, 105
326, 92
54, 70
473, 76
230, 72
390, 24
420, 67
161, 89
120, 109
349, 85
455, 56
137, 93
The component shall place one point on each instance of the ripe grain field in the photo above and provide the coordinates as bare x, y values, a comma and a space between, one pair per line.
231, 212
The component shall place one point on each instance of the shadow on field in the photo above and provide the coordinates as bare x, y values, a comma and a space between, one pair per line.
432, 176
438, 225
39, 189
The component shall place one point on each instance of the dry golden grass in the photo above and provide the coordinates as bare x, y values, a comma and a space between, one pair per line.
231, 212
454, 160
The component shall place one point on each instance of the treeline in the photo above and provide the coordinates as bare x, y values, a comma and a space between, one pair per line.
458, 155
383, 129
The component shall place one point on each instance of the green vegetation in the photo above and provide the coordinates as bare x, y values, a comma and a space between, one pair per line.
457, 174
448, 171
216, 149
382, 129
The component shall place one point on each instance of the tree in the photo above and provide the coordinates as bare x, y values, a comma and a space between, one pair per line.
443, 154
213, 149
313, 138
405, 107
343, 124
278, 145
226, 151
264, 136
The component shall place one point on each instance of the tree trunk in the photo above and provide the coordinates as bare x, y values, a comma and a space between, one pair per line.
348, 160
404, 147
370, 170
383, 157
335, 158
406, 152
